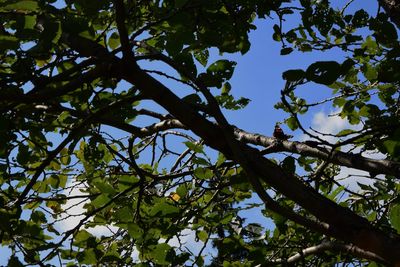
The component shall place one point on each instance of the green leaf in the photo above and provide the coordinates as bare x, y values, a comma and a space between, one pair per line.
294, 75
339, 102
202, 57
100, 201
182, 190
198, 148
29, 22
112, 254
392, 147
388, 71
223, 67
23, 154
114, 41
369, 72
164, 209
107, 156
218, 72
88, 256
370, 45
14, 262
161, 254
372, 216
286, 51
392, 144
200, 161
335, 193
277, 33
135, 231
26, 27
53, 32
324, 72
226, 88
90, 8
200, 261
192, 99
81, 236
38, 217
126, 181
32, 205
20, 6
360, 18
57, 181
369, 110
41, 187
292, 123
221, 159
289, 165
203, 173
385, 32
65, 157
394, 217
345, 132
125, 214
180, 3
104, 186
202, 235
8, 42
306, 47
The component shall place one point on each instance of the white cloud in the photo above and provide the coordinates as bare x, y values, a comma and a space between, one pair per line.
75, 212
349, 177
188, 240
330, 124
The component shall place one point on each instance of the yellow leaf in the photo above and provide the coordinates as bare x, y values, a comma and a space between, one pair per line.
174, 196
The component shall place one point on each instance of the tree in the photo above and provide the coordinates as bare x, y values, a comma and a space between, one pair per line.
62, 66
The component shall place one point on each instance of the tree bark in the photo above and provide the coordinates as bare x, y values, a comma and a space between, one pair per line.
392, 8
341, 222
356, 161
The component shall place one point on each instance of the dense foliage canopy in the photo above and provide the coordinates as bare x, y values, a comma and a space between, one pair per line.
113, 109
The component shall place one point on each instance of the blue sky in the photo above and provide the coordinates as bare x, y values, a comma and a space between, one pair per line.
258, 74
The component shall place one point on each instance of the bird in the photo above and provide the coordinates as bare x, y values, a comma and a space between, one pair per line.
279, 134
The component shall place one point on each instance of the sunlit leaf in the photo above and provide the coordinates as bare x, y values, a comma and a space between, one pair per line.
203, 173
395, 217
20, 6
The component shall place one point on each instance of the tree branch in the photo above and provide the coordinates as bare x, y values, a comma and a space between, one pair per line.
343, 223
356, 161
331, 246
123, 34
392, 8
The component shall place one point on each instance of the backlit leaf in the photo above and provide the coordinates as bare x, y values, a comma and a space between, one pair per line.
394, 216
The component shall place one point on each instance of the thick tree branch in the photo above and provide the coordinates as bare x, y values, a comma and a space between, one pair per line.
346, 159
392, 8
123, 34
343, 223
43, 92
355, 161
165, 124
330, 246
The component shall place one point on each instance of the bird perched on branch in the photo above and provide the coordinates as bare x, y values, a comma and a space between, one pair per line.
279, 134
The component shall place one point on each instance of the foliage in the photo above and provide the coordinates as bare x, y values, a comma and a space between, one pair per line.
73, 136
